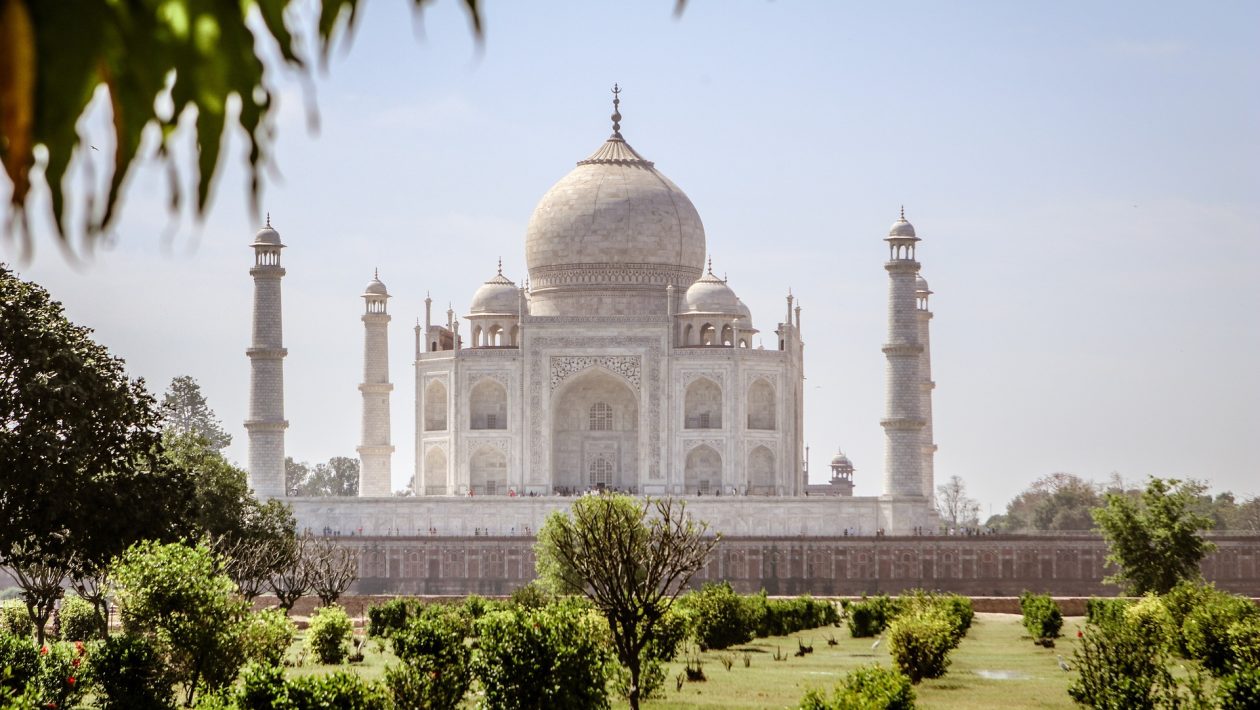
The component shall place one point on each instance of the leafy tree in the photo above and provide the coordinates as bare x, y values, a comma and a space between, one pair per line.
177, 595
158, 60
955, 506
185, 411
632, 558
80, 444
1059, 501
1247, 517
1156, 541
338, 477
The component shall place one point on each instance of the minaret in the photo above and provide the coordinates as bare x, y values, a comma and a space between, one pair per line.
375, 450
921, 293
266, 423
903, 421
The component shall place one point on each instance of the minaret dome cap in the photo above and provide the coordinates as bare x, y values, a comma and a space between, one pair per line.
375, 287
267, 236
921, 285
902, 228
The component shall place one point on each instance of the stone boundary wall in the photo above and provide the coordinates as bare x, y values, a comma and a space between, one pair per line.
977, 566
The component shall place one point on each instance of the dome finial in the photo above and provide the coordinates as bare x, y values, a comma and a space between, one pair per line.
616, 114
500, 266
710, 264
268, 220
376, 273
903, 213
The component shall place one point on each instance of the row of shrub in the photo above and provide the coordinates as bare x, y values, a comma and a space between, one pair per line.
1128, 645
716, 617
870, 616
1042, 617
77, 620
865, 688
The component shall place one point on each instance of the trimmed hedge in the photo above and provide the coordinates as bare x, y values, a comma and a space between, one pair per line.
866, 687
920, 643
1042, 617
1102, 610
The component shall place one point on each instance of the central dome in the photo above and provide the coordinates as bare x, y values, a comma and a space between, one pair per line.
610, 237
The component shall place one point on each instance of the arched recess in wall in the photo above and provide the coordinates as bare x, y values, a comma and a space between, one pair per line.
434, 472
487, 405
435, 406
476, 337
761, 474
728, 335
703, 473
708, 334
487, 471
702, 407
594, 417
761, 413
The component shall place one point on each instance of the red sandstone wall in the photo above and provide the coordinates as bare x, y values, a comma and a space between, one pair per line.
995, 565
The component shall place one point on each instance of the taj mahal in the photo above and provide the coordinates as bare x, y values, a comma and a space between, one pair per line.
621, 363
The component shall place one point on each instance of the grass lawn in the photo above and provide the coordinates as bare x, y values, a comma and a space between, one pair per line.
995, 666
1021, 674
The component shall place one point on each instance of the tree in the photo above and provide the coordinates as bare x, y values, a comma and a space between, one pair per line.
184, 411
177, 595
80, 445
338, 477
1156, 541
1059, 501
632, 558
159, 60
955, 506
332, 569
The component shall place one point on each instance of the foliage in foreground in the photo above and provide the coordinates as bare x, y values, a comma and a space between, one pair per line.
328, 633
1157, 541
631, 558
129, 673
538, 659
176, 595
1042, 617
920, 643
436, 668
865, 688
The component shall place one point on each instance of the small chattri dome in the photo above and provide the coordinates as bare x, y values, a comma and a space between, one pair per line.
901, 228
921, 285
745, 315
375, 287
498, 296
267, 236
709, 294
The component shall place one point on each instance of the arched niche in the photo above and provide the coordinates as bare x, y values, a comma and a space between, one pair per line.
434, 472
487, 471
762, 480
487, 405
600, 398
435, 406
761, 405
702, 405
703, 472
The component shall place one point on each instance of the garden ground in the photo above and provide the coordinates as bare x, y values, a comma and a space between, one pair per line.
996, 666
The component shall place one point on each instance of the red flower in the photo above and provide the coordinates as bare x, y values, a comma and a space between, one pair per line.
51, 705
78, 646
43, 651
70, 680
76, 663
1080, 634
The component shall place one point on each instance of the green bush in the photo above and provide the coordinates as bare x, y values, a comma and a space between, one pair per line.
550, 658
1244, 642
1240, 690
265, 688
61, 677
780, 617
1150, 613
530, 596
920, 644
384, 619
865, 688
720, 618
1100, 611
954, 609
1042, 617
20, 656
662, 648
327, 635
436, 663
129, 673
870, 617
266, 636
1121, 666
79, 621
14, 620
1205, 630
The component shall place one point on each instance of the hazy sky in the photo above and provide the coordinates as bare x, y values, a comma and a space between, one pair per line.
1085, 178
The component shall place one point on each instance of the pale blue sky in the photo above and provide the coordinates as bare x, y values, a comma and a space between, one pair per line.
1084, 177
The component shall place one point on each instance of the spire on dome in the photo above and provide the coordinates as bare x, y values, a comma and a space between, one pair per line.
500, 266
376, 273
903, 213
710, 264
616, 114
269, 220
